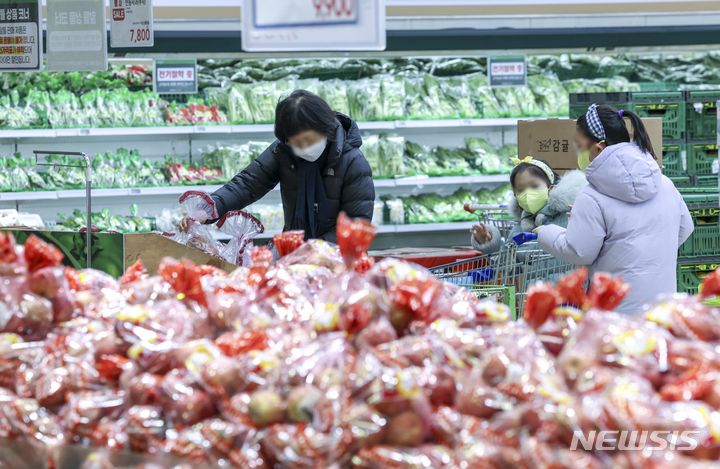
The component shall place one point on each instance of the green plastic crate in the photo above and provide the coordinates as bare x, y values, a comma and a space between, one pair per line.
709, 182
579, 102
705, 240
673, 159
702, 159
691, 272
681, 182
701, 114
668, 105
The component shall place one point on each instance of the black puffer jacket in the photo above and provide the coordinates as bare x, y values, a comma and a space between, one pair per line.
346, 175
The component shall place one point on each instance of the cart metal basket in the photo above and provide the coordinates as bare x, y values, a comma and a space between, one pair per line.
509, 270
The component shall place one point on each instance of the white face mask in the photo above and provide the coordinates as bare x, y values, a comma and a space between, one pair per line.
311, 153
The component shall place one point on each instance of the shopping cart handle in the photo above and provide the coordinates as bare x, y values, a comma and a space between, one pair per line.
522, 238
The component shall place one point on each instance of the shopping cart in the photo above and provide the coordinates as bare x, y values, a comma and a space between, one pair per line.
505, 273
493, 215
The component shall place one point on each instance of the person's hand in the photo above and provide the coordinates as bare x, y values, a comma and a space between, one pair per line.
537, 230
185, 223
481, 233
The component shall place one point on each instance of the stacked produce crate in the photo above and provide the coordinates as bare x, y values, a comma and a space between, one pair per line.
701, 252
690, 159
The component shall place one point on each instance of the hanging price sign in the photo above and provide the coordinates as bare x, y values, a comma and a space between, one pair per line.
175, 77
131, 23
313, 25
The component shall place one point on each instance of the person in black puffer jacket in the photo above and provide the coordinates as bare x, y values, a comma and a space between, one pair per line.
317, 161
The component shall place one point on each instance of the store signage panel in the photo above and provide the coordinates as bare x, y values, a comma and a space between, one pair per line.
76, 35
131, 23
313, 25
507, 71
175, 77
20, 38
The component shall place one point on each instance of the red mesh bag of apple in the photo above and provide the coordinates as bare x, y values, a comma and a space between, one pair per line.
242, 229
289, 241
11, 264
417, 299
354, 237
199, 208
607, 291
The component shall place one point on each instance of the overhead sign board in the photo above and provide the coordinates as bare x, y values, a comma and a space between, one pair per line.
76, 35
313, 25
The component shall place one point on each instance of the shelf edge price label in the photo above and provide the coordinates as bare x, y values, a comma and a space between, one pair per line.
175, 76
20, 35
507, 70
131, 23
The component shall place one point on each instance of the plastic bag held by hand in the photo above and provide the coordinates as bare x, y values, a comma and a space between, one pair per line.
199, 206
242, 228
354, 237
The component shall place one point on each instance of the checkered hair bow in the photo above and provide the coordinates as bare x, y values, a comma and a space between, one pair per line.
594, 123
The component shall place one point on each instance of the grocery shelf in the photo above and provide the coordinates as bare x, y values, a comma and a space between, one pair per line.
200, 130
383, 185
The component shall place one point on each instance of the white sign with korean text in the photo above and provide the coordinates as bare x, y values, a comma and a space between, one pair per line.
313, 25
20, 35
131, 23
76, 35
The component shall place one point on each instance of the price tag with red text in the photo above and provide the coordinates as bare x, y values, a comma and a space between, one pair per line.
131, 23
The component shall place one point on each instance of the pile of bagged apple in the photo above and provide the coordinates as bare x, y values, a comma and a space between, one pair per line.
326, 359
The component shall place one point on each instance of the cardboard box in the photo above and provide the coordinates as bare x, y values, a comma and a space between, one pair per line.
113, 253
552, 140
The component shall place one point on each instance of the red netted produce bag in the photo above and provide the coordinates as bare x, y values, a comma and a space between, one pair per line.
39, 254
242, 229
354, 236
287, 242
607, 291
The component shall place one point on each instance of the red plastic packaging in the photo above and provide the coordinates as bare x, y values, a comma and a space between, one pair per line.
287, 242
39, 254
607, 291
354, 236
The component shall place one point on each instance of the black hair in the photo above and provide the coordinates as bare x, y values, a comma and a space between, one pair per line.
301, 111
535, 171
615, 130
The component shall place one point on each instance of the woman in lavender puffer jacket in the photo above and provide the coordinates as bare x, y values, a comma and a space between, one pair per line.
630, 220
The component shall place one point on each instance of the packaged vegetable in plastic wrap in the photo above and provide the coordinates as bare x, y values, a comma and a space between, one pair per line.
371, 150
392, 151
334, 93
378, 213
435, 98
416, 105
486, 156
457, 92
393, 97
242, 228
483, 96
550, 94
365, 99
239, 110
396, 211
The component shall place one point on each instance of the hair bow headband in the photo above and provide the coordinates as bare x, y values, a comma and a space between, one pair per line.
594, 123
544, 167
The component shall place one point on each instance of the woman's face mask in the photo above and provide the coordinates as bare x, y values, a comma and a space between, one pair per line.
311, 153
533, 200
308, 145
